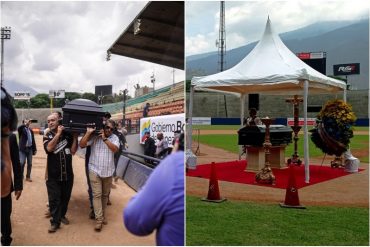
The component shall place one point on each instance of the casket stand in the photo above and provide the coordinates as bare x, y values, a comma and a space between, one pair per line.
253, 138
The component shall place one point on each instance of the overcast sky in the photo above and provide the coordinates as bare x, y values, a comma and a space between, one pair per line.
62, 45
245, 20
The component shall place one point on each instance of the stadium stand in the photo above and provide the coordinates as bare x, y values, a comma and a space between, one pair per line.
164, 101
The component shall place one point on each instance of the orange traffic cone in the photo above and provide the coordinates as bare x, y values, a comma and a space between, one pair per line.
291, 195
213, 190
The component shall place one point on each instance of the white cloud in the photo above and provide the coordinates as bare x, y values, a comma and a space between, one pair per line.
62, 45
245, 20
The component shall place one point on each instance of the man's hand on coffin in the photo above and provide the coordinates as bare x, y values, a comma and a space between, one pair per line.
60, 129
90, 129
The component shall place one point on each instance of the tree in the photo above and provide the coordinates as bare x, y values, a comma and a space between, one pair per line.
90, 96
20, 103
40, 101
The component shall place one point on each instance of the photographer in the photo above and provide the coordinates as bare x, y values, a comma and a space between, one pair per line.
101, 166
59, 146
27, 147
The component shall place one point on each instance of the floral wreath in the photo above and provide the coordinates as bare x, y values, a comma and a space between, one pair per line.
334, 127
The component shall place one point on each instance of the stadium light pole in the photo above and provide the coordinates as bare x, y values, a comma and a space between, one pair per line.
5, 34
124, 107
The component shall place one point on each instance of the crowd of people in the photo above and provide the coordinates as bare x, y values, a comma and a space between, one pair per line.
103, 149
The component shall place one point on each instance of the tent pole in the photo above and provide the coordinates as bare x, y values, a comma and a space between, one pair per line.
242, 104
345, 95
190, 118
306, 148
242, 109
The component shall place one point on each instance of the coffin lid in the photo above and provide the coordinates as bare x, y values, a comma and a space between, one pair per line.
83, 105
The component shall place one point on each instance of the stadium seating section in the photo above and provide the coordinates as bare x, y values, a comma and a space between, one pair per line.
164, 101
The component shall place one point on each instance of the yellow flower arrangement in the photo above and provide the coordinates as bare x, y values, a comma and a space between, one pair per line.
334, 127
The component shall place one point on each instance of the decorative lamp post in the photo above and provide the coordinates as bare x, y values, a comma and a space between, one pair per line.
265, 175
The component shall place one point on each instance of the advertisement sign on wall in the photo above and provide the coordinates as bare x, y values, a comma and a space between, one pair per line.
201, 121
310, 121
166, 124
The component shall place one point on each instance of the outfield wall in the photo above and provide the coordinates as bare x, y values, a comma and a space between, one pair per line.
208, 104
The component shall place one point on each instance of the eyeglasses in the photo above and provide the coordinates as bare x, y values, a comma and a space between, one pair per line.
108, 128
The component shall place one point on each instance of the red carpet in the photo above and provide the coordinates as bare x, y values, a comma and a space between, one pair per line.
234, 172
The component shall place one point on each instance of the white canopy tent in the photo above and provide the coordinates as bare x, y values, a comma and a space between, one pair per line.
270, 68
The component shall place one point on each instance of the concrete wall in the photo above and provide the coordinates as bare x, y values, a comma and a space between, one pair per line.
39, 114
212, 104
134, 146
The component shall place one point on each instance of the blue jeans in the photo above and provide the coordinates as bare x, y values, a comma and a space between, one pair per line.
22, 158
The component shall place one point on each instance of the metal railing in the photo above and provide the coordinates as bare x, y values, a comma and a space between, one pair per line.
149, 161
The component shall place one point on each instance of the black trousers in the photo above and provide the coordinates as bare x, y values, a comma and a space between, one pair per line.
89, 190
59, 193
6, 226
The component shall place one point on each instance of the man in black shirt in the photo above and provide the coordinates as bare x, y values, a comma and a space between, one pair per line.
59, 146
149, 146
146, 110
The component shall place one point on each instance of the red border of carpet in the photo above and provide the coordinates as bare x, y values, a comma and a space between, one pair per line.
233, 171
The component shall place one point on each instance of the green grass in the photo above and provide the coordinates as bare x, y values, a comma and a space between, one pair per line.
216, 127
243, 223
229, 143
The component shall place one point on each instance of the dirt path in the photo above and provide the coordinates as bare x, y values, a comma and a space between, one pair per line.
30, 227
351, 190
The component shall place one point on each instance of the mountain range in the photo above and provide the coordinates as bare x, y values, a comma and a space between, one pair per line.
12, 87
343, 41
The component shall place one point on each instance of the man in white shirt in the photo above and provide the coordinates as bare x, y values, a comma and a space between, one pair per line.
101, 166
162, 145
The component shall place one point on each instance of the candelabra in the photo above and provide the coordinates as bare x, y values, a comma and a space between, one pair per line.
266, 175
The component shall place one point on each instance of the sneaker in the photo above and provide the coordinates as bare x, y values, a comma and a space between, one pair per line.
29, 179
92, 214
53, 228
64, 220
98, 226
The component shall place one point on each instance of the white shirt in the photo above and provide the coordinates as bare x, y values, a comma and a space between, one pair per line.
102, 158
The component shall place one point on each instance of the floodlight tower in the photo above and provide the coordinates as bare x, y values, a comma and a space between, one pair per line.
5, 34
221, 43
